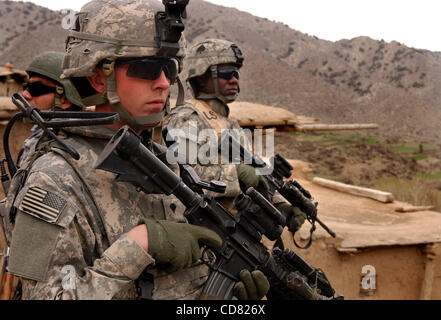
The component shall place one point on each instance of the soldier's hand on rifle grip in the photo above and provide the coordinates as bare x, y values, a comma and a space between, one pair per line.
253, 285
249, 178
176, 245
294, 216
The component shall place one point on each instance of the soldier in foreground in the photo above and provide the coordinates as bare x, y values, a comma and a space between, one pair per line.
213, 74
46, 91
77, 233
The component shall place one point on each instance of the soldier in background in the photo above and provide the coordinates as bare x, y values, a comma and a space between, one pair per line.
46, 91
77, 233
213, 75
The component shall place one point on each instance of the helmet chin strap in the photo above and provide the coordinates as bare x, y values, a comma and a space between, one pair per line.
181, 92
56, 103
217, 95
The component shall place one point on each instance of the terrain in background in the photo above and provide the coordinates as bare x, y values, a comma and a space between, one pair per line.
356, 80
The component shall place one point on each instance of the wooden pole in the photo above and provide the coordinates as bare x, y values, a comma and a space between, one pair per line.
429, 271
336, 127
3, 252
378, 195
414, 208
8, 282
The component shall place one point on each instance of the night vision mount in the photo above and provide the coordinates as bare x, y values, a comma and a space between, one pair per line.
170, 26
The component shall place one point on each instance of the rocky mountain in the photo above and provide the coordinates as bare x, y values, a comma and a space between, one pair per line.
357, 80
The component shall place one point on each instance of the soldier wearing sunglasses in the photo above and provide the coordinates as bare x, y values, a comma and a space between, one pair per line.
46, 91
77, 232
213, 76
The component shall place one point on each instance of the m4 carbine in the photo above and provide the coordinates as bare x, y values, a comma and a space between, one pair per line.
291, 190
290, 276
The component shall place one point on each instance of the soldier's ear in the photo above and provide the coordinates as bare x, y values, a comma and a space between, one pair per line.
98, 81
65, 104
205, 84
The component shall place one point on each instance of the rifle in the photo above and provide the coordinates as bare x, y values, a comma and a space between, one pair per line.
290, 276
291, 190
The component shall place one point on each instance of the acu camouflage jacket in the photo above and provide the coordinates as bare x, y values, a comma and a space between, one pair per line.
69, 239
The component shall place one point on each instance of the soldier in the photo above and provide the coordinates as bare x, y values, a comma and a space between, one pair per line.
213, 75
77, 233
46, 91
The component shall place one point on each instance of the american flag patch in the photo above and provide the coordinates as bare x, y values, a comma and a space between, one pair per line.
42, 204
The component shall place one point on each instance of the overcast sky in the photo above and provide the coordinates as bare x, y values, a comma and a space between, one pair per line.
414, 23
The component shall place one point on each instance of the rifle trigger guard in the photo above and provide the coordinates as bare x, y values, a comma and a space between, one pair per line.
208, 257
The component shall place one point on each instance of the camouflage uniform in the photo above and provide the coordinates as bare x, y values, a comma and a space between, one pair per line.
30, 142
210, 112
70, 215
85, 227
186, 115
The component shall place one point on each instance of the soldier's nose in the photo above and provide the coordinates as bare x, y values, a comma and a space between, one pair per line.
27, 95
161, 82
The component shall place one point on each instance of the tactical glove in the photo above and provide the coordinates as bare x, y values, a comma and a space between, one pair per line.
294, 216
253, 285
178, 244
248, 178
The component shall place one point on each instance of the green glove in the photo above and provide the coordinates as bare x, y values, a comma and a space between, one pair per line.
178, 244
253, 286
248, 178
294, 216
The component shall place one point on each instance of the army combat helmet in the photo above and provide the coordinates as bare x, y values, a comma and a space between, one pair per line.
48, 64
106, 31
207, 55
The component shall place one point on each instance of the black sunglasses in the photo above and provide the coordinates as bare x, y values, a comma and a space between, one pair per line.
37, 89
151, 68
227, 74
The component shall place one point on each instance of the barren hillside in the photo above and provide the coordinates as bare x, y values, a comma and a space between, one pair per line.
356, 80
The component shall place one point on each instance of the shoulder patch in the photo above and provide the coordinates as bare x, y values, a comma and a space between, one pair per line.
42, 204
